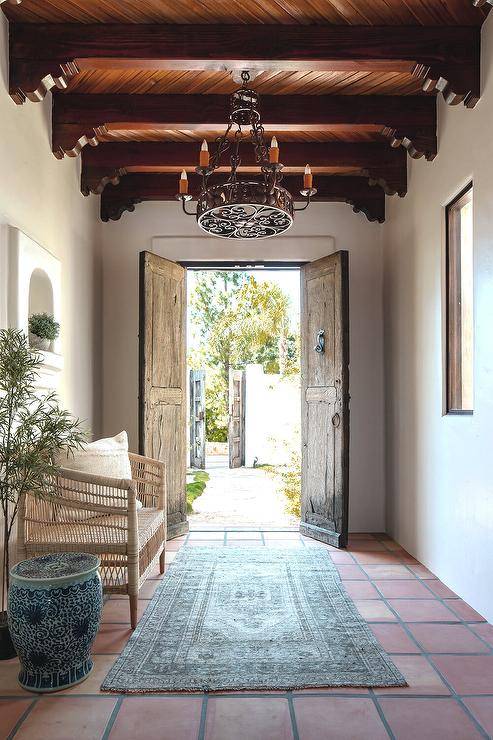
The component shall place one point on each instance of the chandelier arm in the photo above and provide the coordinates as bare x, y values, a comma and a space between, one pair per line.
184, 199
308, 195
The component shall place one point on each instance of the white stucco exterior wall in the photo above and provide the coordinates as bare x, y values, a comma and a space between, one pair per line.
439, 468
272, 417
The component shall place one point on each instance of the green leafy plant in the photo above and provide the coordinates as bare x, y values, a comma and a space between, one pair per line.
33, 429
44, 326
195, 487
291, 484
288, 478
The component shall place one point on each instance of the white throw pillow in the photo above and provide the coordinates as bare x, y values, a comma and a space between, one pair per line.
107, 457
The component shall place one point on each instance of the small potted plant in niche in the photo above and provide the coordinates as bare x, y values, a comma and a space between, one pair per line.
32, 431
43, 330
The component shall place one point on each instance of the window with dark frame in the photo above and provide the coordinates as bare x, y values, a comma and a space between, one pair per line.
459, 303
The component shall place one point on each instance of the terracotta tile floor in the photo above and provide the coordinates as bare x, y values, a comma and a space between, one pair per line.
442, 646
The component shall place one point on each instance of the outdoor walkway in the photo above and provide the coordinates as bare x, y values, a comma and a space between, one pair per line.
240, 497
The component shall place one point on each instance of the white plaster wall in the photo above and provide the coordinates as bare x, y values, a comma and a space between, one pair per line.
272, 417
439, 468
41, 196
162, 227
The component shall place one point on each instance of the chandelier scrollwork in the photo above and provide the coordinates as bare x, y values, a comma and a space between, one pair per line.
238, 208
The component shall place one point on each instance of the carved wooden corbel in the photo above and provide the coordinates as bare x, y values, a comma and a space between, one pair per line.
32, 80
417, 143
457, 85
113, 209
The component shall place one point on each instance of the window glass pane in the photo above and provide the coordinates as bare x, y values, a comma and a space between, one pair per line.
466, 289
460, 317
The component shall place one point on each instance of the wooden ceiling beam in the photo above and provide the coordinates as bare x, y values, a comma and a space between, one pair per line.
108, 162
136, 188
445, 58
83, 119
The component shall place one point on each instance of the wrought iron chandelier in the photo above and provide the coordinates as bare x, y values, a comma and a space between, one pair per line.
238, 208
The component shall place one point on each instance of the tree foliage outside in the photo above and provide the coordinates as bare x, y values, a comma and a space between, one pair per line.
216, 404
239, 320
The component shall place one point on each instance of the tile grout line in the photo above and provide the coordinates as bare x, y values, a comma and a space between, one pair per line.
203, 716
21, 719
327, 692
112, 718
292, 714
381, 713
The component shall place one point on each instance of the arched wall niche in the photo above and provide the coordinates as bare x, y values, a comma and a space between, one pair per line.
40, 293
34, 286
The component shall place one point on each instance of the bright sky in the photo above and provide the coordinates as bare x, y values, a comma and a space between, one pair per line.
288, 281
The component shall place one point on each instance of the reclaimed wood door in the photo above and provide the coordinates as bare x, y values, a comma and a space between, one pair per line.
236, 430
325, 399
162, 381
197, 418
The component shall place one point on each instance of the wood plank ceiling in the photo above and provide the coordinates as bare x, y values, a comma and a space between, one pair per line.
348, 85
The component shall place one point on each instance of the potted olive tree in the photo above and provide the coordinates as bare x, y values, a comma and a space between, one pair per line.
43, 330
33, 429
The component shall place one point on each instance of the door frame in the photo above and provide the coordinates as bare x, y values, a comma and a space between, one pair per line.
240, 265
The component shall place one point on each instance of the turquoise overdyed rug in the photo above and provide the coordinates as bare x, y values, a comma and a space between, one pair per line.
227, 618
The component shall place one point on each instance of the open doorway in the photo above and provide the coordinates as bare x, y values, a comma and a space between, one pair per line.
243, 354
164, 383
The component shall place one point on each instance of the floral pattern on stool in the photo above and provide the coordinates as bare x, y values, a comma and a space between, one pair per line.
54, 610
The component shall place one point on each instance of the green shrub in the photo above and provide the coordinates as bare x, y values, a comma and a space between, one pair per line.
44, 326
195, 487
291, 485
289, 480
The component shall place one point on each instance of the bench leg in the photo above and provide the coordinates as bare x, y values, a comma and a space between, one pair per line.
161, 561
134, 601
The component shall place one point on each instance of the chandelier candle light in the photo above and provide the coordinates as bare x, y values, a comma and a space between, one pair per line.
237, 208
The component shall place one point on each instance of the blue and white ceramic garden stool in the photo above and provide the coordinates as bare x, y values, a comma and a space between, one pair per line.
54, 610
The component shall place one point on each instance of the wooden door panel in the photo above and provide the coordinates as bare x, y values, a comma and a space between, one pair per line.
325, 400
320, 299
167, 442
168, 299
162, 377
236, 429
197, 419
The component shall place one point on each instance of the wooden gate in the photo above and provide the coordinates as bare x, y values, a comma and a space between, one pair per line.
197, 419
236, 431
325, 399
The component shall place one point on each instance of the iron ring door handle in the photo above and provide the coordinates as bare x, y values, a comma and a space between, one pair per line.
320, 345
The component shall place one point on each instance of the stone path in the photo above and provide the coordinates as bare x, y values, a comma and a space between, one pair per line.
240, 497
